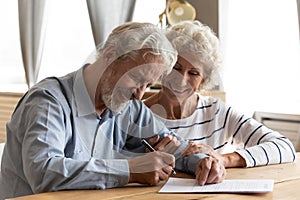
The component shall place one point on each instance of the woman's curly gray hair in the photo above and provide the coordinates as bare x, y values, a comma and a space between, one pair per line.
195, 38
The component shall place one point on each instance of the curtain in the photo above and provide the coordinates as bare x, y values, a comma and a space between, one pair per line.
32, 31
107, 14
298, 6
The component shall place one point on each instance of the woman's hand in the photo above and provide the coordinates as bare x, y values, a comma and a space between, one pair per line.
193, 148
210, 170
168, 144
228, 160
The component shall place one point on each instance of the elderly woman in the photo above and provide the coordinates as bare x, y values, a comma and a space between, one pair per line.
207, 122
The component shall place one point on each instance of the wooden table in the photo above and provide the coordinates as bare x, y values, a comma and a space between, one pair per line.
286, 177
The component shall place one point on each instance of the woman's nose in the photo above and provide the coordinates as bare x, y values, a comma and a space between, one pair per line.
181, 80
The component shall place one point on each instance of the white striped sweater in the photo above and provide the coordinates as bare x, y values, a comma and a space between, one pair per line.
220, 126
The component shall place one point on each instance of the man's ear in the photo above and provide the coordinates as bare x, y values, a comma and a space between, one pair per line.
109, 54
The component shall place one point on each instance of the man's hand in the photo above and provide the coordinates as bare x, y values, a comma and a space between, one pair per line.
151, 168
210, 170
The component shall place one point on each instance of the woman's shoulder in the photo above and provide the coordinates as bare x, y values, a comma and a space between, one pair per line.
204, 100
210, 103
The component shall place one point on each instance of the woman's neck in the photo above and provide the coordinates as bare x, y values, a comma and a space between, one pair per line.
172, 108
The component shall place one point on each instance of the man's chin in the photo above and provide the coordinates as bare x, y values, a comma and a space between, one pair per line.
117, 107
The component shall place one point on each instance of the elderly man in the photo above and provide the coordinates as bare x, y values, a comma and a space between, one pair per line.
84, 130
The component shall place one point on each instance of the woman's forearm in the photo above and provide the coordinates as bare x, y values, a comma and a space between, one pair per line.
233, 160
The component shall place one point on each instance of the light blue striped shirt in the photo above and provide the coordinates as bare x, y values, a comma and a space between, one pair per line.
38, 158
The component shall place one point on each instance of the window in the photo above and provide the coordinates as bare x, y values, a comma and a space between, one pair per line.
68, 41
260, 41
261, 55
10, 52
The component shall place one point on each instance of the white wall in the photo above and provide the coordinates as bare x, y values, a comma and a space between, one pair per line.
261, 55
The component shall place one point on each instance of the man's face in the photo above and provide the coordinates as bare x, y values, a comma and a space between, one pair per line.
127, 79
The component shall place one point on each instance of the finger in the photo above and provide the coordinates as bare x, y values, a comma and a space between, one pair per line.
204, 170
217, 179
154, 179
162, 159
216, 172
188, 150
166, 140
165, 173
172, 146
154, 140
191, 149
222, 174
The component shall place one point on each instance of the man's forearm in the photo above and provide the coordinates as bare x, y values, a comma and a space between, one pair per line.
189, 163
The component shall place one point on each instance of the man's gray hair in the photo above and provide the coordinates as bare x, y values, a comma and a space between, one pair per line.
129, 38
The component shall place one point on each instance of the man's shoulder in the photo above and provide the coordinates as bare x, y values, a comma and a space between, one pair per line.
49, 89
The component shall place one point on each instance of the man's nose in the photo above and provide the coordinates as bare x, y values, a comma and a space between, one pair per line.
139, 92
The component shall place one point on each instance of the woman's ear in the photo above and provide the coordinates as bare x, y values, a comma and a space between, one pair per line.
109, 54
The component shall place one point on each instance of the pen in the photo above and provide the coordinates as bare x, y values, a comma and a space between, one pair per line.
148, 146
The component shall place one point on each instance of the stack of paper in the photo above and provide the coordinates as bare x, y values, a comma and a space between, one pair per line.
184, 185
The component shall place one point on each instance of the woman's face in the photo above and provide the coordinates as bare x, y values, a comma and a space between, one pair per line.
185, 78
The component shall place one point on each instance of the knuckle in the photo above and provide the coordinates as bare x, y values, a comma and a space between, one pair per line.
154, 178
169, 137
206, 166
160, 148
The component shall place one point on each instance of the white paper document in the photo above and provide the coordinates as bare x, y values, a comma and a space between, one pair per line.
184, 185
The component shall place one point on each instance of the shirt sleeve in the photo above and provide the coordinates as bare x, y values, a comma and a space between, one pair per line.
150, 126
45, 166
257, 144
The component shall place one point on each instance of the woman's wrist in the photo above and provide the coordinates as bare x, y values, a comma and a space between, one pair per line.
233, 160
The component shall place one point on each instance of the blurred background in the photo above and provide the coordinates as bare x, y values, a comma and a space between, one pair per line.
259, 39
